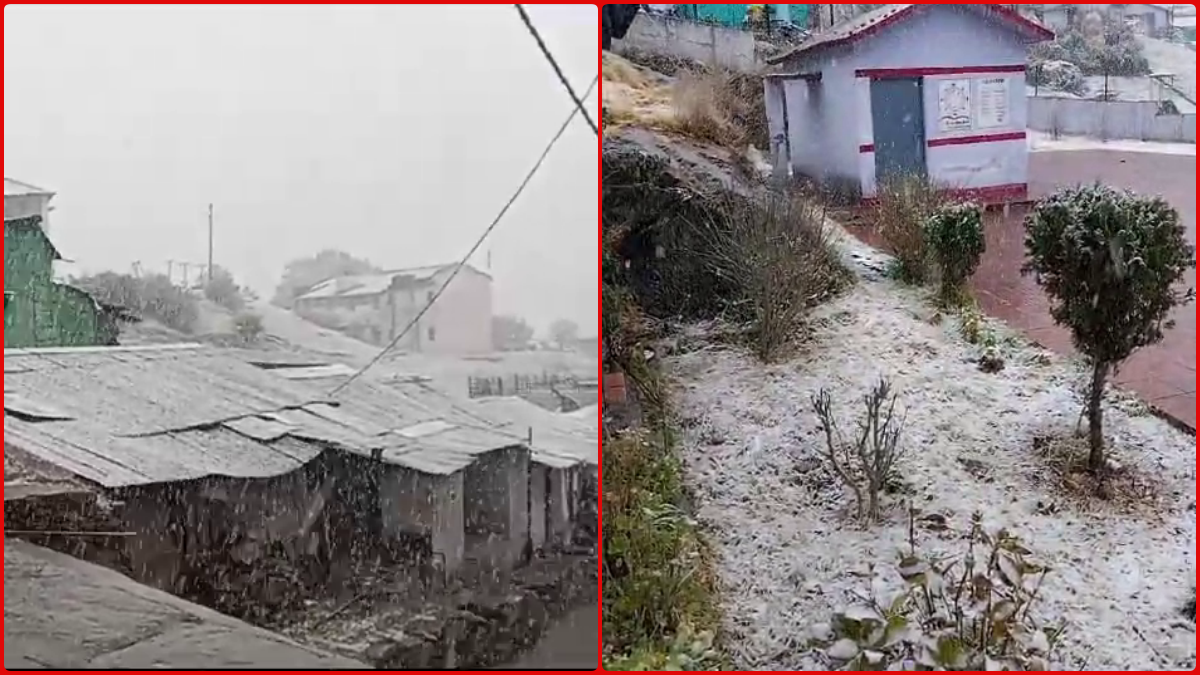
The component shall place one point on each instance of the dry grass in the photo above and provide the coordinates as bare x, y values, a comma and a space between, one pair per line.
777, 253
704, 109
902, 206
713, 106
1122, 488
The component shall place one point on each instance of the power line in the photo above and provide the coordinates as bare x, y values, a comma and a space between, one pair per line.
554, 64
479, 243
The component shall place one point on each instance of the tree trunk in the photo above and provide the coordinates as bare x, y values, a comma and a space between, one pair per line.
1095, 418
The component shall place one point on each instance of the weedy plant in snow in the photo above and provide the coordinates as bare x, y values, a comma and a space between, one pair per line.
903, 205
866, 462
955, 236
1112, 263
970, 612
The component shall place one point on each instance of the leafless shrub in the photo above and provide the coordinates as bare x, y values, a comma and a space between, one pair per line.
775, 251
903, 205
865, 463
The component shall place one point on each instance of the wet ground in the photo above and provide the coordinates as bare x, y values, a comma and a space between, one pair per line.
1164, 374
572, 643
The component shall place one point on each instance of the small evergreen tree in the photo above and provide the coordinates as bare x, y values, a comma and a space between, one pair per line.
1111, 262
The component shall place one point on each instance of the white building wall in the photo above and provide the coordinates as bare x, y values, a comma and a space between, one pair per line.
836, 123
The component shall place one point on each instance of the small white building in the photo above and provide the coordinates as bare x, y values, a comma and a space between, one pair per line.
931, 90
376, 308
22, 200
1150, 19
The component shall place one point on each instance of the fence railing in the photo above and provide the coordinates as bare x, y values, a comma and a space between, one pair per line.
515, 385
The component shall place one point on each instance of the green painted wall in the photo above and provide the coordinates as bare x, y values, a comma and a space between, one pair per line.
735, 15
37, 311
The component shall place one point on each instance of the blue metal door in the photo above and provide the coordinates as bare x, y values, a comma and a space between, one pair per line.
898, 116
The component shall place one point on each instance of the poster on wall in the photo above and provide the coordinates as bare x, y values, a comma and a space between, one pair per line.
991, 98
954, 105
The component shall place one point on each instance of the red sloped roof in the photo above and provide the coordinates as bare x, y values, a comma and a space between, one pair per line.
868, 23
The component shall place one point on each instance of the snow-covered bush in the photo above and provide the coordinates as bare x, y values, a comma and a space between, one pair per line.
1109, 48
1056, 75
955, 236
867, 462
970, 612
1111, 262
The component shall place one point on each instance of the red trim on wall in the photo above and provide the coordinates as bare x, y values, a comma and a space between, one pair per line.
960, 140
992, 195
882, 73
982, 138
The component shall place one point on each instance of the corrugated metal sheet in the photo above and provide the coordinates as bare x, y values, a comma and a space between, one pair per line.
316, 372
15, 188
553, 433
129, 416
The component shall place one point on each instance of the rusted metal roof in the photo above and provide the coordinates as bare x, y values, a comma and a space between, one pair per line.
137, 415
868, 23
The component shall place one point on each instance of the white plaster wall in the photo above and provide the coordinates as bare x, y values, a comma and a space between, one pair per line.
672, 36
948, 36
1111, 120
538, 477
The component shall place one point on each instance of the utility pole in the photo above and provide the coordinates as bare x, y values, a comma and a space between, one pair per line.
210, 243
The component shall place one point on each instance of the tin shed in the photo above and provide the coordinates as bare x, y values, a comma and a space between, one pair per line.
932, 90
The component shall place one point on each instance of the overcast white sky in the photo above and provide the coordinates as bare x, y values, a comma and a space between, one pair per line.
392, 132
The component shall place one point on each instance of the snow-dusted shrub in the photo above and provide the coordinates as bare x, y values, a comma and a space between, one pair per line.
955, 236
866, 462
1056, 75
1111, 262
970, 612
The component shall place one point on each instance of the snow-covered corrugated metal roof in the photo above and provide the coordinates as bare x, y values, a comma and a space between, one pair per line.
868, 23
375, 284
138, 415
16, 188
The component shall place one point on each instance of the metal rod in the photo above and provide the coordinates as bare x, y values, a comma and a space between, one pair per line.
210, 243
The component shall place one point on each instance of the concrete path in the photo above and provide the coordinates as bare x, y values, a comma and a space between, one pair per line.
63, 613
1165, 374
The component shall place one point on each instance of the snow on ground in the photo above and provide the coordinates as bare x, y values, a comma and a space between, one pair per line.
1173, 58
1043, 142
788, 555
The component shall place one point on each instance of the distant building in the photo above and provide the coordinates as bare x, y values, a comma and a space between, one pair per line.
1152, 19
22, 200
38, 311
378, 307
734, 16
930, 91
